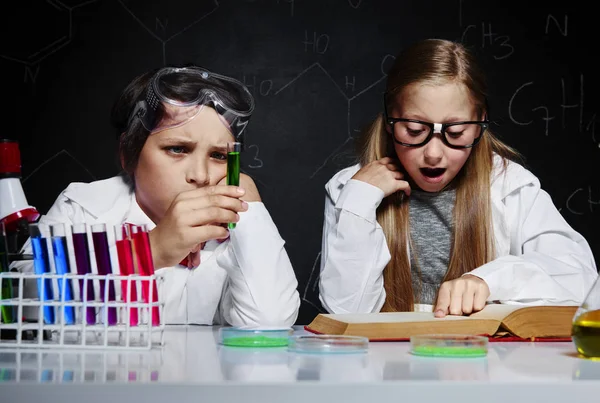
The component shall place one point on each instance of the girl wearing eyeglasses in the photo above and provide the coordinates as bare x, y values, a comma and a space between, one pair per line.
173, 126
438, 214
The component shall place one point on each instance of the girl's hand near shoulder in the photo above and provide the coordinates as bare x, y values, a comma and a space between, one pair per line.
384, 174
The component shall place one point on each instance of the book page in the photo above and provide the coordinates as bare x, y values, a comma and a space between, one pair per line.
491, 311
496, 311
391, 317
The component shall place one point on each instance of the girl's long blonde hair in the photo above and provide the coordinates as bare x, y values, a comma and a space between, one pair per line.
436, 62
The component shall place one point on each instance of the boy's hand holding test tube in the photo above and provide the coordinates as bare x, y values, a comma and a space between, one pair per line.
197, 216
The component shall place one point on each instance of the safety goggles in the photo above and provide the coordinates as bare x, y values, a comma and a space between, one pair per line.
176, 95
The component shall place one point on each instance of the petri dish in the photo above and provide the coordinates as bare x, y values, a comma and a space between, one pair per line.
449, 345
327, 344
254, 337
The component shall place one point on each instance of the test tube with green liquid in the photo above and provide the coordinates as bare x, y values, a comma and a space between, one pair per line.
233, 167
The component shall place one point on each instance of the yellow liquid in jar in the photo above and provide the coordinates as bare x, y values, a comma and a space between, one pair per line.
586, 333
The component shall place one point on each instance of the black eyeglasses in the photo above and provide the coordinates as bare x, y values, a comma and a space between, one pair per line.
416, 133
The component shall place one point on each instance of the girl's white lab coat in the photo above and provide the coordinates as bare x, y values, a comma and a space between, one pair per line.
540, 258
247, 280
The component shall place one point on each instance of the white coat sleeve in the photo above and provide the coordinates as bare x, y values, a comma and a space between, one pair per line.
261, 288
354, 250
549, 262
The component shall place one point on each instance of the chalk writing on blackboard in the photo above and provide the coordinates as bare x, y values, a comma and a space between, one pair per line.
512, 117
567, 104
256, 86
317, 43
162, 25
569, 199
350, 82
62, 152
387, 60
291, 3
256, 162
355, 3
44, 48
502, 48
563, 30
30, 74
349, 99
579, 197
564, 105
591, 128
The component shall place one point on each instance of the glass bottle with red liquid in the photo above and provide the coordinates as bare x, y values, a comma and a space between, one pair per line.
586, 324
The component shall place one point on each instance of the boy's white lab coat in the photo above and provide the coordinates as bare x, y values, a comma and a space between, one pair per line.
540, 258
247, 280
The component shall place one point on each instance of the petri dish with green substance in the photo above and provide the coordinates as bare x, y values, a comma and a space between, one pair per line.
449, 345
254, 337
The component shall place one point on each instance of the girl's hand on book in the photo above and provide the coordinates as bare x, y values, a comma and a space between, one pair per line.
464, 295
384, 174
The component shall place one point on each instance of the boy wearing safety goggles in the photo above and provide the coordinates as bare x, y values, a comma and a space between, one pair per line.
174, 125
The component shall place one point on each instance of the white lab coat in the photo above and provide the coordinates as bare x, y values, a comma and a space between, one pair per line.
540, 259
247, 280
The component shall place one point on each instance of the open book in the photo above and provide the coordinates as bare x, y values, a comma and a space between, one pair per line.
495, 320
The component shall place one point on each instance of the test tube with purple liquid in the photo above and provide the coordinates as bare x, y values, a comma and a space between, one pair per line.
83, 263
104, 265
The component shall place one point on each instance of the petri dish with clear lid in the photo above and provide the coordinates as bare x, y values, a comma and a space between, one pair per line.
254, 337
449, 345
328, 344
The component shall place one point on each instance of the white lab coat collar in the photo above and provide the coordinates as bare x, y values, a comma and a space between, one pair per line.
101, 197
502, 184
110, 201
137, 216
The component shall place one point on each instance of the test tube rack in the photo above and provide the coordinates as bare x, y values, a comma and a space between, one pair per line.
81, 334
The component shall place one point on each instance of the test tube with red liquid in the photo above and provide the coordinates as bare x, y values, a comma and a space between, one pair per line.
143, 252
127, 268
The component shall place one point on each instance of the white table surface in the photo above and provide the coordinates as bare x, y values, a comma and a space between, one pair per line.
192, 366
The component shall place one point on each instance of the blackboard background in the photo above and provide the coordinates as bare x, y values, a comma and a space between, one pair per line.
317, 70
